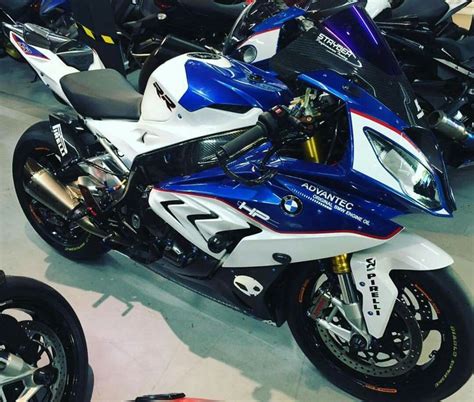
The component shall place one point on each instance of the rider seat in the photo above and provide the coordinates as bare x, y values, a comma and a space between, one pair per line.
462, 50
430, 11
102, 94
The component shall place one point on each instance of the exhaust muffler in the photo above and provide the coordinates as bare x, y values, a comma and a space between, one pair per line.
44, 188
451, 128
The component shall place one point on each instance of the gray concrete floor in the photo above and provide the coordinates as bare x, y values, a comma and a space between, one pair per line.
147, 335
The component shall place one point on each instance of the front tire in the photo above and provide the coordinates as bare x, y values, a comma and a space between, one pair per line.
73, 242
50, 318
436, 374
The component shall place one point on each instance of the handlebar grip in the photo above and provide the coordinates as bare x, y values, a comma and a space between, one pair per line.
240, 145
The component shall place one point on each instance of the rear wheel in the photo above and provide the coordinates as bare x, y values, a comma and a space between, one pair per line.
426, 352
66, 237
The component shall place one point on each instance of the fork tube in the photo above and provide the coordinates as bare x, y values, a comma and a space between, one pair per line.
311, 150
342, 269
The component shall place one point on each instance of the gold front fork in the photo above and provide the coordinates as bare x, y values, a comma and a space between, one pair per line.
311, 150
340, 264
342, 268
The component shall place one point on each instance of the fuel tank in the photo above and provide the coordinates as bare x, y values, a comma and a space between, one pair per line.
196, 81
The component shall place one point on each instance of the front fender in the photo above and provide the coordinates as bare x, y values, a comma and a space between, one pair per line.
371, 271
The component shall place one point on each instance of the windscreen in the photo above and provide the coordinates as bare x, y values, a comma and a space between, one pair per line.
349, 43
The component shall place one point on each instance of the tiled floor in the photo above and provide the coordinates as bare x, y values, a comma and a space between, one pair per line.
147, 335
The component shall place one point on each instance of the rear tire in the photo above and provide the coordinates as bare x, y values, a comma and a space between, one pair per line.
38, 143
450, 367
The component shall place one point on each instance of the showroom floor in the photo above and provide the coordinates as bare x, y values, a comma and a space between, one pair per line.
147, 335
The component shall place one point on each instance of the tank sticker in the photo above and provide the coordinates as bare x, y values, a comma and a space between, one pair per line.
165, 98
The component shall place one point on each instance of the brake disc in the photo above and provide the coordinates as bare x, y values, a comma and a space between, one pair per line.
48, 338
396, 353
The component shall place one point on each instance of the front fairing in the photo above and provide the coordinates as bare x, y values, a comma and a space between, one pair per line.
350, 44
362, 169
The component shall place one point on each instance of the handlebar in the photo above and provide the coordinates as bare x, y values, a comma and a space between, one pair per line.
238, 146
267, 127
270, 126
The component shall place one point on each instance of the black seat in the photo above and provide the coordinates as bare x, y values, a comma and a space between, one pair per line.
462, 50
430, 11
102, 94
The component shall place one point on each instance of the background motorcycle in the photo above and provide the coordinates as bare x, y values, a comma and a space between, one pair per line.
438, 58
53, 14
43, 352
290, 220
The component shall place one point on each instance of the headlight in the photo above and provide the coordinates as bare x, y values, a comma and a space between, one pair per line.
415, 179
249, 54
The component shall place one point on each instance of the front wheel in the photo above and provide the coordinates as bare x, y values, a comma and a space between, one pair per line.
426, 352
43, 351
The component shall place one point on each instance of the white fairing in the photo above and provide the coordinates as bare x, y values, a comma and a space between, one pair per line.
371, 270
266, 44
50, 69
160, 126
256, 250
375, 7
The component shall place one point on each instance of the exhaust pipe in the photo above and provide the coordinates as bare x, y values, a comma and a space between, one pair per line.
44, 188
451, 128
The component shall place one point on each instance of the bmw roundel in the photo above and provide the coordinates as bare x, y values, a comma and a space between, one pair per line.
291, 205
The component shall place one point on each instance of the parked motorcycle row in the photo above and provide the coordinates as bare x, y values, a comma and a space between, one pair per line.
262, 166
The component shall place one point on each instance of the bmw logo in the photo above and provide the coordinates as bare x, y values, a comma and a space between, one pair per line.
292, 205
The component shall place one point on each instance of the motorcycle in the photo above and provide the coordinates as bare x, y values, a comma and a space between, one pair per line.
278, 205
43, 352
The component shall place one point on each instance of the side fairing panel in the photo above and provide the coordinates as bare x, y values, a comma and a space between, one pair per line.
301, 219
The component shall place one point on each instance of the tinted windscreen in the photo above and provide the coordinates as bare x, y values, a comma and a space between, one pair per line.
350, 44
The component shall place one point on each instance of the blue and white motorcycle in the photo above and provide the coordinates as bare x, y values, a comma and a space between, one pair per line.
279, 205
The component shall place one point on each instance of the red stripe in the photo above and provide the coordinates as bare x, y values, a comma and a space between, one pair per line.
260, 33
375, 120
386, 125
394, 233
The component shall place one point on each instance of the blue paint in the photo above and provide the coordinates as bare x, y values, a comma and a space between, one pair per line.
239, 85
279, 19
338, 213
47, 6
